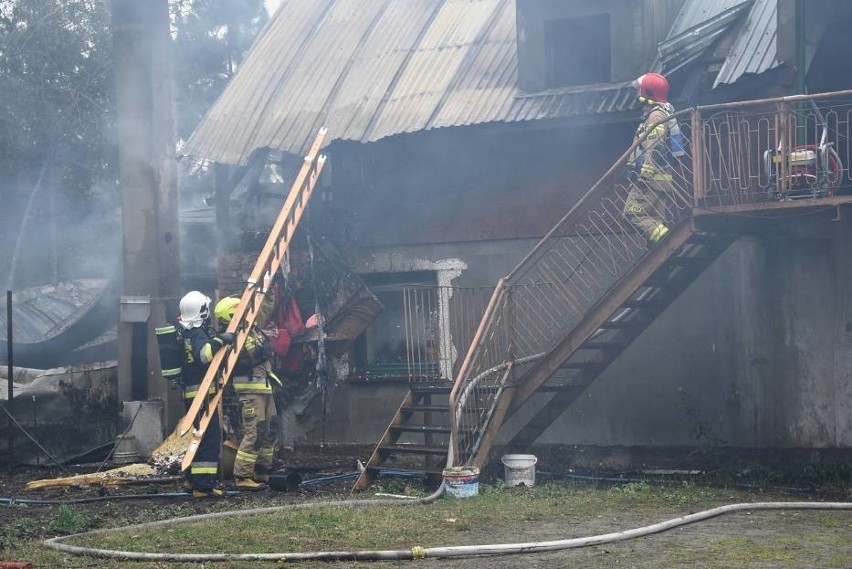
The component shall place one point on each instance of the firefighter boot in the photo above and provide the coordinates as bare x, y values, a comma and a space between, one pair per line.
249, 484
657, 233
211, 493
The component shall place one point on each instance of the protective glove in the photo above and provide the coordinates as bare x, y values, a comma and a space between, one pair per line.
227, 338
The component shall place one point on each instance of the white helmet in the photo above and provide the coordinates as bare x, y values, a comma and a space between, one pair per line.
194, 309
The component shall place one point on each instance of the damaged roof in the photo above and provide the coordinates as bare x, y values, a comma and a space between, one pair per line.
755, 48
368, 70
700, 23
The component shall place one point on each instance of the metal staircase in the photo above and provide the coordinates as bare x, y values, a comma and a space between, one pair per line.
593, 283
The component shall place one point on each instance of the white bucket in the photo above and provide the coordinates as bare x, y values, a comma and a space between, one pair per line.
462, 481
520, 469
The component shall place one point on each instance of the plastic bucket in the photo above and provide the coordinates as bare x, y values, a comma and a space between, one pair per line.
462, 481
519, 469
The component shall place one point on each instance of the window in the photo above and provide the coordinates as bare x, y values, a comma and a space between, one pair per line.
578, 51
384, 350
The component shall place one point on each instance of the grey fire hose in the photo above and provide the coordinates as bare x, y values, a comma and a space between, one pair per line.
415, 552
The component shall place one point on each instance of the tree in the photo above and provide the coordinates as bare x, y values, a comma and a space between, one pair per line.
211, 38
56, 133
57, 121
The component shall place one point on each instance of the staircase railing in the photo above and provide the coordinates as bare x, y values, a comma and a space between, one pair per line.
739, 154
550, 290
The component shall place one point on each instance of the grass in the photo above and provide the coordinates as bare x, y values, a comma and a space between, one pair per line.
544, 512
449, 521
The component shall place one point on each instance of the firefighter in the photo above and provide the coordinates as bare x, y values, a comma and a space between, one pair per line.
253, 380
200, 343
653, 189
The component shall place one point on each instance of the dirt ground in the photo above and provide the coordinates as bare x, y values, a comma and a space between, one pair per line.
744, 540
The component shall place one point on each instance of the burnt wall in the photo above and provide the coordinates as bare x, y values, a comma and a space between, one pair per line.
461, 184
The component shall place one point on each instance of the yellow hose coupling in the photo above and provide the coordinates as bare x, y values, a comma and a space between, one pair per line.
418, 552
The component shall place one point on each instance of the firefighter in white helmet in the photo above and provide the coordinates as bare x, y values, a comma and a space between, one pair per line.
200, 343
652, 193
253, 381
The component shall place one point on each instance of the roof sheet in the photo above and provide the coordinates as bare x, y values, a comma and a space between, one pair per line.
686, 46
696, 12
755, 49
368, 70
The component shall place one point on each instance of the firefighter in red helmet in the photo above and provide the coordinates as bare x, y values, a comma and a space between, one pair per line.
649, 199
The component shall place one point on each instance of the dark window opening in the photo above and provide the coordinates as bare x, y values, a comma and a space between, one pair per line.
382, 352
578, 51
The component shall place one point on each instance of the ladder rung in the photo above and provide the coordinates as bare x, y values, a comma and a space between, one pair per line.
414, 449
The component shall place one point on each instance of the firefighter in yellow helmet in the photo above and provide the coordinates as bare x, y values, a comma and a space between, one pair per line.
253, 380
650, 197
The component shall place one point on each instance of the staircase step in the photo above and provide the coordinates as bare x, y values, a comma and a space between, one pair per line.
405, 468
620, 325
414, 449
421, 429
686, 261
582, 365
703, 238
426, 408
430, 389
646, 304
604, 345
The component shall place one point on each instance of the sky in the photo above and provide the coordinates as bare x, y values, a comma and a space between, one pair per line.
271, 5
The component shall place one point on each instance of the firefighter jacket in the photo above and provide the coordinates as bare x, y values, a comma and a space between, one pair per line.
253, 372
651, 157
200, 344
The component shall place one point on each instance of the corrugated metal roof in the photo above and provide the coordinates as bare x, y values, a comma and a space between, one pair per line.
696, 12
368, 70
690, 44
755, 49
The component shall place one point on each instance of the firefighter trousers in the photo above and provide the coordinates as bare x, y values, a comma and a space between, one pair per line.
203, 473
257, 446
647, 205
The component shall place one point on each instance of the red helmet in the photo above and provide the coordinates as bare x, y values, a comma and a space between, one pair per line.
653, 87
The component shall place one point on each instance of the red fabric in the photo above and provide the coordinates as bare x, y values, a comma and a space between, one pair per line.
281, 344
288, 319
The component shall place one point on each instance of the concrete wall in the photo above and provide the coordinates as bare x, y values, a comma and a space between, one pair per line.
461, 184
756, 353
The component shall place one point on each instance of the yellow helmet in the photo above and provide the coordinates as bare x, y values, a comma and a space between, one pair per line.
225, 308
